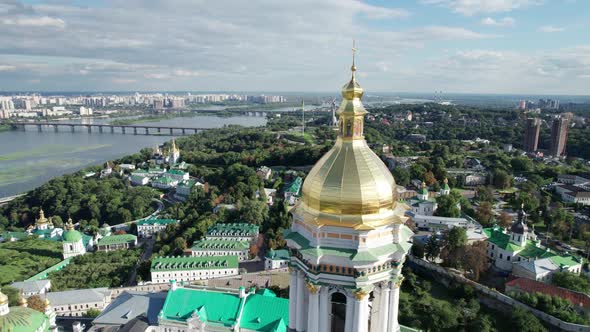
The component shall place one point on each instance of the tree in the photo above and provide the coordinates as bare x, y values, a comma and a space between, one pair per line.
484, 213
180, 244
571, 281
401, 176
502, 180
432, 248
521, 164
418, 250
504, 220
92, 313
429, 178
456, 238
474, 259
35, 302
447, 206
13, 295
484, 193
524, 321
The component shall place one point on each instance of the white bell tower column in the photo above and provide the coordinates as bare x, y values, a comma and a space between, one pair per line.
292, 299
314, 308
301, 310
361, 311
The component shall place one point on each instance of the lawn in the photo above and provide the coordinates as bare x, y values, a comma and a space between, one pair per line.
22, 259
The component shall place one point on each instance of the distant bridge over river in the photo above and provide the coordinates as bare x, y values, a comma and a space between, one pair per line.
134, 129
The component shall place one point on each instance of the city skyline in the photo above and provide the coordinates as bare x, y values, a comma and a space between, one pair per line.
454, 46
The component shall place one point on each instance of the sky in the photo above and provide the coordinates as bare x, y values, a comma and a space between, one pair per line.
454, 46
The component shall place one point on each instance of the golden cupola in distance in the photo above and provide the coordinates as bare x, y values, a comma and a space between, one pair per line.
350, 186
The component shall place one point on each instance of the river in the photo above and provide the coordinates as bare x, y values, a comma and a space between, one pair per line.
30, 158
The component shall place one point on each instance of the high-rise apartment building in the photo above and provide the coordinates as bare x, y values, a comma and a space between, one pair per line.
559, 131
531, 134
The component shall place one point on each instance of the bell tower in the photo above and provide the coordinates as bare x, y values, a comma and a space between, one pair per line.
348, 240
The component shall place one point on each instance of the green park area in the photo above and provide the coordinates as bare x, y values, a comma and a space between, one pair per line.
22, 259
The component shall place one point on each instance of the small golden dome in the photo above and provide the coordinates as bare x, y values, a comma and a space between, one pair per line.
3, 299
22, 302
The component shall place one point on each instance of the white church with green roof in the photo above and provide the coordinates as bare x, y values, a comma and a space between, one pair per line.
518, 251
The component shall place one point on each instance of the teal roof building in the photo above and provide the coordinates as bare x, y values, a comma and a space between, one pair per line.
224, 310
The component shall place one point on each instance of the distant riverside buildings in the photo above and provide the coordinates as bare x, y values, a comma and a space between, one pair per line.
531, 134
559, 131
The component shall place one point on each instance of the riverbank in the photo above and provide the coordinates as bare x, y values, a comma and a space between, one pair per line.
5, 128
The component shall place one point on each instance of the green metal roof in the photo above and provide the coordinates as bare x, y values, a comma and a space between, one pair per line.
212, 307
164, 180
502, 240
565, 260
295, 186
265, 312
221, 244
43, 274
258, 312
116, 239
176, 172
72, 236
234, 229
21, 319
194, 263
153, 221
137, 177
407, 329
187, 183
282, 254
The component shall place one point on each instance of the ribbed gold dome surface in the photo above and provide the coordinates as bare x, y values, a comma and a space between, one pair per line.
349, 179
350, 186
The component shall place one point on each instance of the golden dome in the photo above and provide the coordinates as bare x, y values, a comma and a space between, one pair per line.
3, 298
22, 302
350, 186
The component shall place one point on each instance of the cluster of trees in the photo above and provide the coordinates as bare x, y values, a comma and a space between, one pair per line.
457, 310
572, 281
98, 269
454, 251
22, 259
554, 306
86, 200
251, 147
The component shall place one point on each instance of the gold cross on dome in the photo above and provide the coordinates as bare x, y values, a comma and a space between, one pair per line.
353, 51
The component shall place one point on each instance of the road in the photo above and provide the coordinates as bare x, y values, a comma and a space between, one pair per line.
148, 248
158, 210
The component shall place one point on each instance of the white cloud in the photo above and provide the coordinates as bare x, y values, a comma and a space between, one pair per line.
551, 28
123, 81
505, 71
7, 68
504, 22
474, 7
186, 73
39, 22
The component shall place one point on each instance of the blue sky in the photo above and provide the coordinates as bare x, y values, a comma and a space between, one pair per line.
473, 46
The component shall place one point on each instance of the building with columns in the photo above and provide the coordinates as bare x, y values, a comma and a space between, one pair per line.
348, 239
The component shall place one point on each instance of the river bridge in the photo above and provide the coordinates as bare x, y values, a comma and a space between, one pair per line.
101, 128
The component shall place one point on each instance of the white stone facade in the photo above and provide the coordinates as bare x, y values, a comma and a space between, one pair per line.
191, 275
